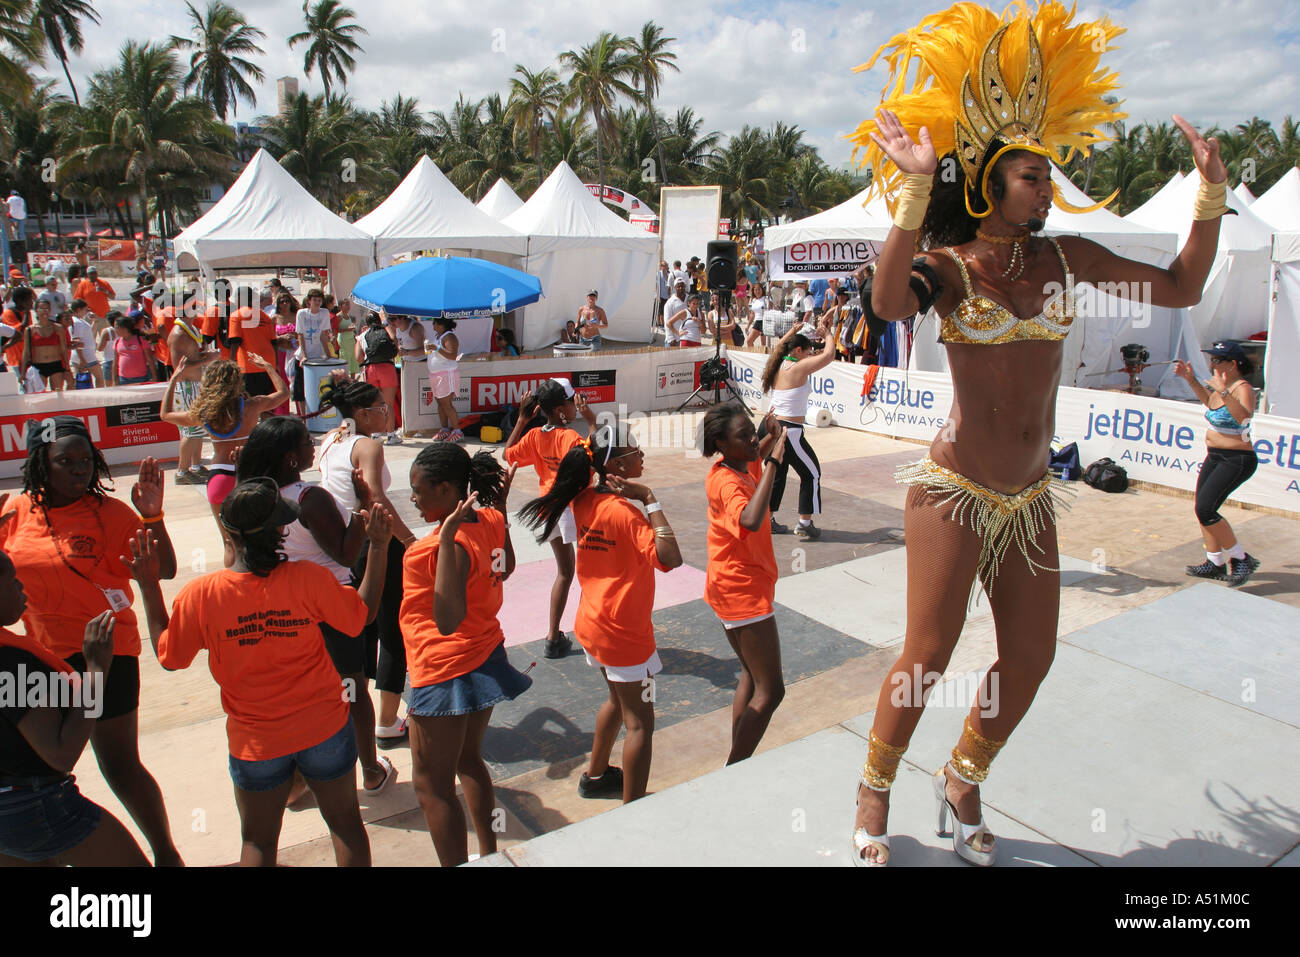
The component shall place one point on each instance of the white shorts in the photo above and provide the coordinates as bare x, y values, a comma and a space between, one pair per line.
445, 383
646, 669
747, 621
566, 529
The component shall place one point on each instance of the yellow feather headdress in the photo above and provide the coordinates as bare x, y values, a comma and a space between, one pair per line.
1030, 80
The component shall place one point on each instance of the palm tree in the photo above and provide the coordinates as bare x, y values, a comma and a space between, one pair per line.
138, 126
652, 59
60, 24
20, 47
400, 134
330, 41
599, 75
740, 169
315, 139
689, 150
534, 98
485, 149
31, 133
217, 66
571, 141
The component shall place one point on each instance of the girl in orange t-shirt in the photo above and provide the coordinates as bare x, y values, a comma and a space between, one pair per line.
618, 551
455, 649
742, 571
259, 621
543, 449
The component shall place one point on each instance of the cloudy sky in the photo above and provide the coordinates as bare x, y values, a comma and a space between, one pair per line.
1214, 61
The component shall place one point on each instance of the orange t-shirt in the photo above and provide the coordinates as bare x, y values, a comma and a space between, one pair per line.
164, 320
95, 295
13, 351
543, 449
210, 326
67, 563
432, 657
257, 329
279, 689
616, 563
741, 578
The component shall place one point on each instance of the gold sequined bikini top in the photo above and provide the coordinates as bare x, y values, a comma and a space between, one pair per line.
980, 321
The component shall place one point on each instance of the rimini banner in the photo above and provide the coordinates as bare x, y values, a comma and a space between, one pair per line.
1156, 440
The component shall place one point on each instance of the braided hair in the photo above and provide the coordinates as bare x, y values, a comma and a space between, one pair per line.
36, 473
261, 545
448, 462
572, 478
347, 395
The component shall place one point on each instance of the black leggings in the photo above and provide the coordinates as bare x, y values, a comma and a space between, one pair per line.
799, 456
1222, 473
384, 635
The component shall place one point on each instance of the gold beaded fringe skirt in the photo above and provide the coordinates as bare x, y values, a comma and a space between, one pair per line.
1001, 520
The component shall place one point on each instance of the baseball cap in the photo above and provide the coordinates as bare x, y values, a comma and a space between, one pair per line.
256, 505
1227, 349
592, 292
566, 385
93, 269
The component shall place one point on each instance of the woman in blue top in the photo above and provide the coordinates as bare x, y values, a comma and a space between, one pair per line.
1230, 403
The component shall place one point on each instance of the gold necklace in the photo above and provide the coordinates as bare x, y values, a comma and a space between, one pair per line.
1017, 243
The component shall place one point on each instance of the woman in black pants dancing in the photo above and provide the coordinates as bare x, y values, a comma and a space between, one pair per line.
786, 377
1230, 403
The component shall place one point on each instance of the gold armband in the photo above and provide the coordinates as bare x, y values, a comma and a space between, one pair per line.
913, 200
1211, 200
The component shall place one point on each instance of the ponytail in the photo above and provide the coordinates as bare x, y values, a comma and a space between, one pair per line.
572, 478
775, 360
448, 462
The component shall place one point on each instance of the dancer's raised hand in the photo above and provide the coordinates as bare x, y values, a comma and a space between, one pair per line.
1204, 152
908, 155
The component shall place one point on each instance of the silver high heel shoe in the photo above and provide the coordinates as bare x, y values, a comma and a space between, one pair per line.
862, 839
966, 838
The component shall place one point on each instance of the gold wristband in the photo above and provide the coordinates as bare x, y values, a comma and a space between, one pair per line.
913, 200
151, 519
1211, 200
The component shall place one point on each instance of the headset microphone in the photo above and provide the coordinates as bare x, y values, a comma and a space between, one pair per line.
1033, 223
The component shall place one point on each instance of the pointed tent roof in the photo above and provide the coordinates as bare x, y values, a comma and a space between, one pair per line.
1102, 225
1280, 204
857, 213
266, 216
500, 201
1244, 231
1244, 194
426, 211
564, 214
1159, 197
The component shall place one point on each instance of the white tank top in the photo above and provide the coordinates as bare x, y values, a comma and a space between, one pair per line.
437, 361
299, 543
336, 471
404, 338
787, 402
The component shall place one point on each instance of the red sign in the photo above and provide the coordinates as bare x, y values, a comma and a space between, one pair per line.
117, 249
489, 393
115, 427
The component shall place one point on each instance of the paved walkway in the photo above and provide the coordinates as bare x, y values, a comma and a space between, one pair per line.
1166, 724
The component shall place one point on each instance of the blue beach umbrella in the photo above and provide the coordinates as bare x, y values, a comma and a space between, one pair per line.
452, 288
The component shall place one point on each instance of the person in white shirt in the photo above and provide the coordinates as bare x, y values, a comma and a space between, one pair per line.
801, 304
18, 213
312, 327
688, 323
757, 306
671, 308
665, 287
680, 274
83, 357
57, 300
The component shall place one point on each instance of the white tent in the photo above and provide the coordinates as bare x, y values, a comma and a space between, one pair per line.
860, 217
1280, 204
1244, 194
1281, 384
574, 244
1159, 197
426, 211
1234, 304
500, 201
267, 219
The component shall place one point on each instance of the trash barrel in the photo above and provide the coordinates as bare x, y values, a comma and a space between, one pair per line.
316, 371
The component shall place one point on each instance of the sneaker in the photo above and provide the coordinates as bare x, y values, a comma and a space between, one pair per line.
394, 438
608, 784
1207, 569
557, 647
391, 736
184, 478
442, 435
777, 527
1240, 570
201, 474
807, 533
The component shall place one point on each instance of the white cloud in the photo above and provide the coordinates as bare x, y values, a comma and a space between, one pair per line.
741, 63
